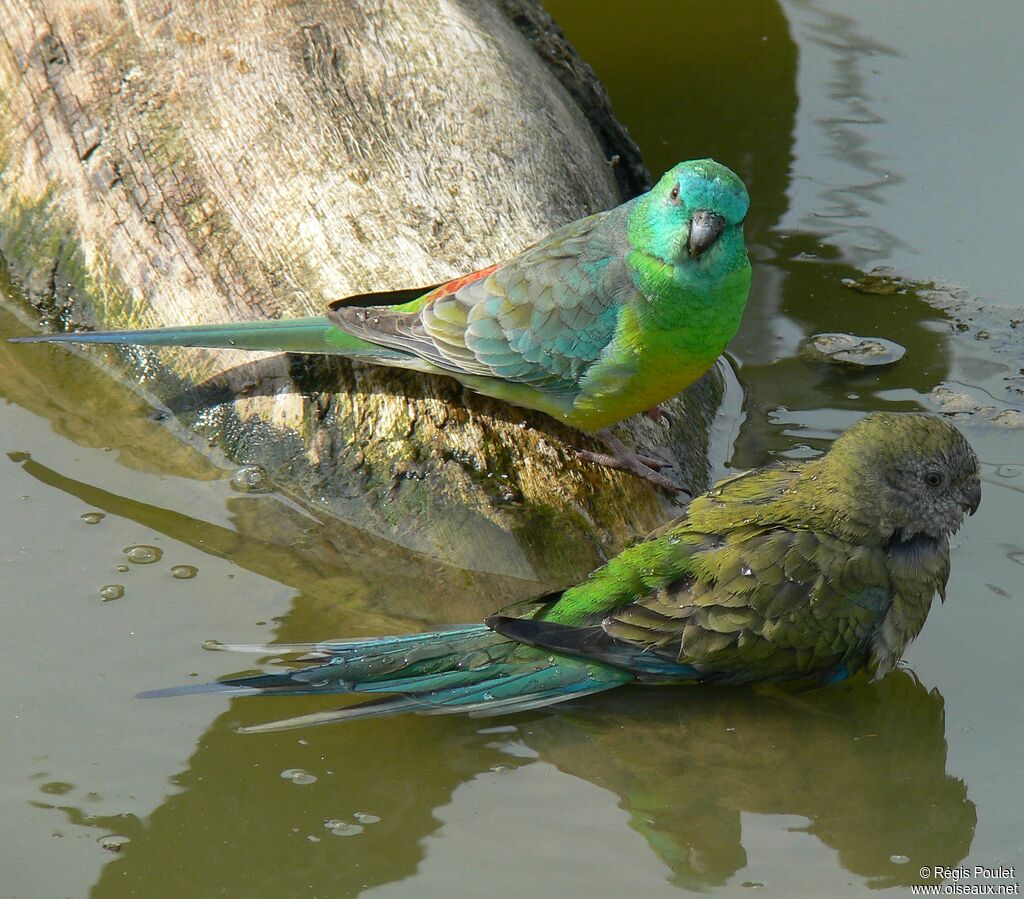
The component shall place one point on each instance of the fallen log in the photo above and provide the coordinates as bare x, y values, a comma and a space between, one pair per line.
165, 162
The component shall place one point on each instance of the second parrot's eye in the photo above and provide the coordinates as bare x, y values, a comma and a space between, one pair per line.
674, 195
933, 478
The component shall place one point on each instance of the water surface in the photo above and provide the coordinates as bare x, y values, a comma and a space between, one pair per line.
869, 134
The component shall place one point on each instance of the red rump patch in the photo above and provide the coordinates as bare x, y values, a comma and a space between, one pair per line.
409, 294
456, 284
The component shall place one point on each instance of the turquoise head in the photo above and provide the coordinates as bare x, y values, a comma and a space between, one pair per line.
692, 219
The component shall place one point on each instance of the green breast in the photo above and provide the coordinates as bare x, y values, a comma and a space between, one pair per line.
660, 348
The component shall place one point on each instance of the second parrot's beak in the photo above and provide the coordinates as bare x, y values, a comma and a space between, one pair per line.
973, 496
704, 230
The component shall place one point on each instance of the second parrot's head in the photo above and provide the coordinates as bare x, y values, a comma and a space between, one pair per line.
693, 218
903, 474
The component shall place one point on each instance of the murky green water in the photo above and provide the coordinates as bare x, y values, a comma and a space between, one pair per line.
869, 133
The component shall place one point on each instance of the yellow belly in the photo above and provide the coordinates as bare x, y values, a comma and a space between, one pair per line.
646, 389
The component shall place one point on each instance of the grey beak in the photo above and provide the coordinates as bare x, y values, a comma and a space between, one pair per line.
704, 230
973, 497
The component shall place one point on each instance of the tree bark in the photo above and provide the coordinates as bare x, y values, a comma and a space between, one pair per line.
175, 162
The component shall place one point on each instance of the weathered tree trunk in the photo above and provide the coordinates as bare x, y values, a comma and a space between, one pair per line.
170, 162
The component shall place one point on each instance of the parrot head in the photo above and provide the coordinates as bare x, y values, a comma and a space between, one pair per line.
904, 474
693, 218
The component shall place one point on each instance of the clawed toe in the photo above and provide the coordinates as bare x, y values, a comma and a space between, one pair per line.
623, 458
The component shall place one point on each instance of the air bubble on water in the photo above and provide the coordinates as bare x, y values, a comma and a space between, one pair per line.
92, 517
313, 839
111, 591
298, 776
1003, 471
142, 554
184, 572
899, 859
250, 479
122, 568
364, 818
113, 842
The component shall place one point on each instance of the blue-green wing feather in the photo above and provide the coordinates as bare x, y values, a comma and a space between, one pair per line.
540, 319
471, 669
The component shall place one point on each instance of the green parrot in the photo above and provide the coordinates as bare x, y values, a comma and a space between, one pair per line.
605, 317
805, 571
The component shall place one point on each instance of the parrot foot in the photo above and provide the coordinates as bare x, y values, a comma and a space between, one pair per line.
622, 458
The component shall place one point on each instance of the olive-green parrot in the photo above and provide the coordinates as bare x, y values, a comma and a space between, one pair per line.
796, 571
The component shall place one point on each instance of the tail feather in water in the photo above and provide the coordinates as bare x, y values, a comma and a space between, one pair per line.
469, 669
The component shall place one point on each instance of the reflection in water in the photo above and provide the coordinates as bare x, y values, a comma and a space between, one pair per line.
842, 209
789, 396
349, 580
864, 763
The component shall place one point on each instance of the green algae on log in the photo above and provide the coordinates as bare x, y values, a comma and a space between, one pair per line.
251, 159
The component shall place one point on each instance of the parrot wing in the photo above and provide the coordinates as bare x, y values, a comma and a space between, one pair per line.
768, 604
540, 319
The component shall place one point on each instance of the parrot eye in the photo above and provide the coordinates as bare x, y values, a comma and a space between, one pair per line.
933, 478
674, 195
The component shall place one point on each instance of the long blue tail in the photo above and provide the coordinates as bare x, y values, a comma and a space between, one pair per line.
467, 669
299, 335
